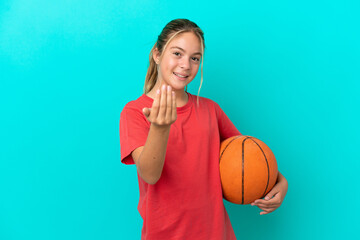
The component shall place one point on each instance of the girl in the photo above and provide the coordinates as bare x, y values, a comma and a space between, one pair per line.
174, 139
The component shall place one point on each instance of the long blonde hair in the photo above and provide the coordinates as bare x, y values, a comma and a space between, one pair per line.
172, 29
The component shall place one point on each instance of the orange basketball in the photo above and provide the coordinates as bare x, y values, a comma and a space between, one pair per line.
248, 169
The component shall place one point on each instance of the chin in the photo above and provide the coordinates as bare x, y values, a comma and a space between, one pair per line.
177, 86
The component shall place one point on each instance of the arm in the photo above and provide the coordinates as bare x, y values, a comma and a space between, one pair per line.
281, 179
150, 158
274, 198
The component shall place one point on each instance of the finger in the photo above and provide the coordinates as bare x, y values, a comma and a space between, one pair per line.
174, 113
155, 106
267, 205
265, 212
146, 112
168, 103
162, 110
271, 194
265, 208
275, 199
266, 202
258, 201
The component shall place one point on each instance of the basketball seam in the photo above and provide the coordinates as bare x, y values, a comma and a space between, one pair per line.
268, 168
243, 170
243, 163
228, 145
226, 148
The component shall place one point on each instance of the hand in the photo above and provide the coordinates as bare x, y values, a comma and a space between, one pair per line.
274, 198
163, 110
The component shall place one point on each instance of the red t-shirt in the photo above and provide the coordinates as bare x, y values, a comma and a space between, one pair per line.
187, 201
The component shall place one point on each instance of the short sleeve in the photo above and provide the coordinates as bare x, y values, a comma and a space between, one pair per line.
226, 127
134, 129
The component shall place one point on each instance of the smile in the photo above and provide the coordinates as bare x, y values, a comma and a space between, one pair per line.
181, 76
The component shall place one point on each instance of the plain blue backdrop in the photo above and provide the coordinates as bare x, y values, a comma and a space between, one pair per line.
286, 72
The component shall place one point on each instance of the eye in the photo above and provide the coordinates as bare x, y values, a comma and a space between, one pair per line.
177, 53
196, 59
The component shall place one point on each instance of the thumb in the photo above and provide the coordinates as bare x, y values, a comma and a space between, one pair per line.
146, 112
270, 195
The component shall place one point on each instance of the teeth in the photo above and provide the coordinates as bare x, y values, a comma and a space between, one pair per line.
179, 75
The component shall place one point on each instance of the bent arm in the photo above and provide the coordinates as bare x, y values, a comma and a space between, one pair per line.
280, 178
150, 158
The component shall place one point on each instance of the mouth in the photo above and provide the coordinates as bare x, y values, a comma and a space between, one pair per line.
180, 75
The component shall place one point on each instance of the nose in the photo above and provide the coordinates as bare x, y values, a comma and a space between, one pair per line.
185, 64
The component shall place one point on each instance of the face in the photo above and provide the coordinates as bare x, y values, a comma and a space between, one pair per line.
180, 61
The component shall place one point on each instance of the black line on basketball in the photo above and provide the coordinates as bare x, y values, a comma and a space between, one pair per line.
268, 168
225, 149
228, 145
243, 171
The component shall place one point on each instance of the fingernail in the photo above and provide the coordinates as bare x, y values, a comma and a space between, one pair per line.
169, 88
163, 87
158, 91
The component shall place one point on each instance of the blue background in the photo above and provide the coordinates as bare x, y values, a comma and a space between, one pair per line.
286, 72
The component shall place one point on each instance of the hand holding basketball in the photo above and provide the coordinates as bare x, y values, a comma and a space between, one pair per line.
274, 198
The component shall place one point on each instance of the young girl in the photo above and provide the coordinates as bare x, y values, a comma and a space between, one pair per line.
174, 138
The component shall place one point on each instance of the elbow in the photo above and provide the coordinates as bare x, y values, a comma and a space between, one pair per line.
149, 175
150, 179
153, 180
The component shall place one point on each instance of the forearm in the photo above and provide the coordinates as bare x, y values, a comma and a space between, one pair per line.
152, 158
281, 179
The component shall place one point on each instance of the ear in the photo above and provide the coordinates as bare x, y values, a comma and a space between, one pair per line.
156, 55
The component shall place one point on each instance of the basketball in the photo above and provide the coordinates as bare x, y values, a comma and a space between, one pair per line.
248, 169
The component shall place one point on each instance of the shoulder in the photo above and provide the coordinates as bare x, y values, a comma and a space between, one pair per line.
133, 110
204, 102
136, 105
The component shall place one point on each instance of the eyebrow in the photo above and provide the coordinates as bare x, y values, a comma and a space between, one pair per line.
197, 53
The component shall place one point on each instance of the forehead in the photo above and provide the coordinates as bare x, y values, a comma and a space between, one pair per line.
187, 41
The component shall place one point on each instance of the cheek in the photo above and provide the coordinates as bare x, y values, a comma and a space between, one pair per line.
168, 68
171, 64
195, 68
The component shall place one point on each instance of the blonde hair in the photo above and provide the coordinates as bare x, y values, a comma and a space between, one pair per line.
171, 30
